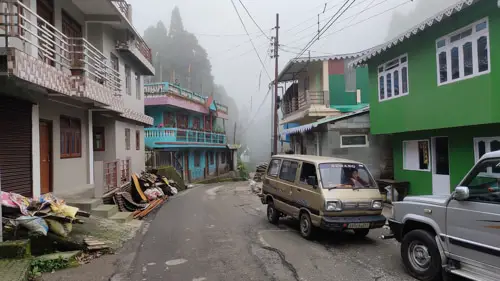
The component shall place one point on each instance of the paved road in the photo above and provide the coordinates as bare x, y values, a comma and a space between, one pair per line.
220, 232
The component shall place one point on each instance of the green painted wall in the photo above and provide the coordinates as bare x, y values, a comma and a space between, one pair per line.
461, 153
338, 95
468, 102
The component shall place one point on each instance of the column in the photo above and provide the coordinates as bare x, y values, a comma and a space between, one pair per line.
317, 143
35, 149
90, 147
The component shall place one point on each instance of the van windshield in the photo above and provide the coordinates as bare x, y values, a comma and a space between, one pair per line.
345, 175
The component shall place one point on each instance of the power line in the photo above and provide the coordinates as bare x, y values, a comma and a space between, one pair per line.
257, 112
251, 17
251, 41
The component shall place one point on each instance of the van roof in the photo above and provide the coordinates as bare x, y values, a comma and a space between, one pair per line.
315, 159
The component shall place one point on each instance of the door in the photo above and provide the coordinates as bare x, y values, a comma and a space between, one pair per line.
45, 10
285, 185
473, 225
72, 29
306, 195
441, 166
45, 153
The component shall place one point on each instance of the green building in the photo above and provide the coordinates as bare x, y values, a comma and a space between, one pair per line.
433, 89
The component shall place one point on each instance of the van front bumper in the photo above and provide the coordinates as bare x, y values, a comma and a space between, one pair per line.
344, 223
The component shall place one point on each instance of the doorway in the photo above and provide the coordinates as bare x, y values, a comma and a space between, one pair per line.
441, 166
45, 157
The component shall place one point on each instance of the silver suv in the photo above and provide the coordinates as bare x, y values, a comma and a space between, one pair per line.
442, 236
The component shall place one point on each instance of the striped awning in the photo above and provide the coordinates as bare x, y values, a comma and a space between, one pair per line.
299, 129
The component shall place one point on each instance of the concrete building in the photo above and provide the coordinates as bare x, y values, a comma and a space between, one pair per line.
71, 96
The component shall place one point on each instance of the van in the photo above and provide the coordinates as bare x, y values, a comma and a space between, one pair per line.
322, 192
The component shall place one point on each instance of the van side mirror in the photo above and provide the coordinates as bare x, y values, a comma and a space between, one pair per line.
311, 180
461, 193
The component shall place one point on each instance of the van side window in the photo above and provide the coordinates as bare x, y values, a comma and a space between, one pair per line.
289, 170
484, 187
308, 170
274, 168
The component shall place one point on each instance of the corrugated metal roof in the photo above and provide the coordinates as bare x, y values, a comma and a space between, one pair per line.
446, 13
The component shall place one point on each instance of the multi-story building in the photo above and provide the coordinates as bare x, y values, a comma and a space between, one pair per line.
325, 110
188, 131
434, 90
71, 96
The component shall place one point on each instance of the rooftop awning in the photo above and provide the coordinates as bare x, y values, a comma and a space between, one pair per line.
310, 126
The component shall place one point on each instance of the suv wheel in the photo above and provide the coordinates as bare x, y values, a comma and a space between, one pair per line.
273, 215
306, 227
421, 256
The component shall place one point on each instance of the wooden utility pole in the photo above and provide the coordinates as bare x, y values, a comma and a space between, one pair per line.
1, 221
275, 96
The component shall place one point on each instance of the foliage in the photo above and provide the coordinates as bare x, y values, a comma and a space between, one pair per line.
171, 174
40, 266
242, 169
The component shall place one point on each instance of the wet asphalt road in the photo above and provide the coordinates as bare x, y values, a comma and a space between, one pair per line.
220, 232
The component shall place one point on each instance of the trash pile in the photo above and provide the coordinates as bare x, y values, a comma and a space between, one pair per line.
39, 216
260, 171
145, 193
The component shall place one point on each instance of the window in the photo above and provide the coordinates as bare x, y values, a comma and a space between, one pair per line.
484, 188
137, 140
308, 170
345, 175
128, 78
485, 145
393, 78
137, 86
211, 157
416, 155
288, 170
127, 139
354, 141
197, 159
99, 142
222, 158
274, 168
71, 142
464, 53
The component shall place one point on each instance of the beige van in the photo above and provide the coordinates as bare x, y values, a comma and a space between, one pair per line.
322, 192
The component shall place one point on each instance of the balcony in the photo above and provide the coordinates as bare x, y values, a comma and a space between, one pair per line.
39, 53
139, 53
307, 105
175, 138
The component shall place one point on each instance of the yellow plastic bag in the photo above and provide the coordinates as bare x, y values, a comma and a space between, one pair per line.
58, 228
68, 211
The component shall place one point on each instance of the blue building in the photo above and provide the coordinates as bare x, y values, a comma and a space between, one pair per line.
188, 131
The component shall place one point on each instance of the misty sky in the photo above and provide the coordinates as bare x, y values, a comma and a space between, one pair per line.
235, 64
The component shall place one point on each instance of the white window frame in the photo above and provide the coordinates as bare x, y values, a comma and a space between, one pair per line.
473, 37
429, 167
367, 143
391, 71
487, 140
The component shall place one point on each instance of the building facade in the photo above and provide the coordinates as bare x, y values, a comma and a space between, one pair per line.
185, 133
433, 89
71, 100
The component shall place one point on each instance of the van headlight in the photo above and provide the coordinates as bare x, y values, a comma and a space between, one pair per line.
333, 206
377, 204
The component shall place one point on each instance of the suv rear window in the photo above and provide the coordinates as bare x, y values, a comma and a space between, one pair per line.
274, 168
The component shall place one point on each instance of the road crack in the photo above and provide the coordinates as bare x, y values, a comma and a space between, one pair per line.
284, 261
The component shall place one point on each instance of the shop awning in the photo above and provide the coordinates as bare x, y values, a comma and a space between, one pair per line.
299, 129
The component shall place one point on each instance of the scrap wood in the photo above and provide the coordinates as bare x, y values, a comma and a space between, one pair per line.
151, 207
83, 214
138, 187
93, 244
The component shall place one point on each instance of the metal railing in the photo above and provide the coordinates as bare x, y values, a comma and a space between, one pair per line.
86, 57
19, 21
144, 49
304, 100
125, 170
111, 175
183, 135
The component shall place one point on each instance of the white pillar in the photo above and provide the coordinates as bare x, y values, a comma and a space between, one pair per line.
90, 147
35, 149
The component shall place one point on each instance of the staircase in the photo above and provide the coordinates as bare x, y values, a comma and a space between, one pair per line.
96, 208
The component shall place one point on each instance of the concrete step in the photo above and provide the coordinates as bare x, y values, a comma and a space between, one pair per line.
122, 217
15, 270
84, 204
104, 211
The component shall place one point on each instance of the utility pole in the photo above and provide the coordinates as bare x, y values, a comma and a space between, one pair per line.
234, 133
275, 96
1, 219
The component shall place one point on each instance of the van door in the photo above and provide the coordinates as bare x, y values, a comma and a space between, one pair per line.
473, 225
306, 195
285, 185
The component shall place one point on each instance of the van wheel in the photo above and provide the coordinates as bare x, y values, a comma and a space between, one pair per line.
421, 256
306, 227
360, 233
273, 215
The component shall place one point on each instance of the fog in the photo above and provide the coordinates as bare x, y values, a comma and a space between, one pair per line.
234, 62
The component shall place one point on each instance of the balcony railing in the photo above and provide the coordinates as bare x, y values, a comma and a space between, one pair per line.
86, 57
305, 99
144, 49
172, 135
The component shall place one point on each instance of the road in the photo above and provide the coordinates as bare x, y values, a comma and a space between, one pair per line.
220, 232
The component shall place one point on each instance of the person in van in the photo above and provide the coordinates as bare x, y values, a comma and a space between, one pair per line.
356, 180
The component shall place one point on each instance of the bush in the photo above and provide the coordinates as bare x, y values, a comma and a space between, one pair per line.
171, 174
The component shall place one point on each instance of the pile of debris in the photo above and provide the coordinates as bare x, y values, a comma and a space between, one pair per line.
260, 171
41, 215
143, 194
